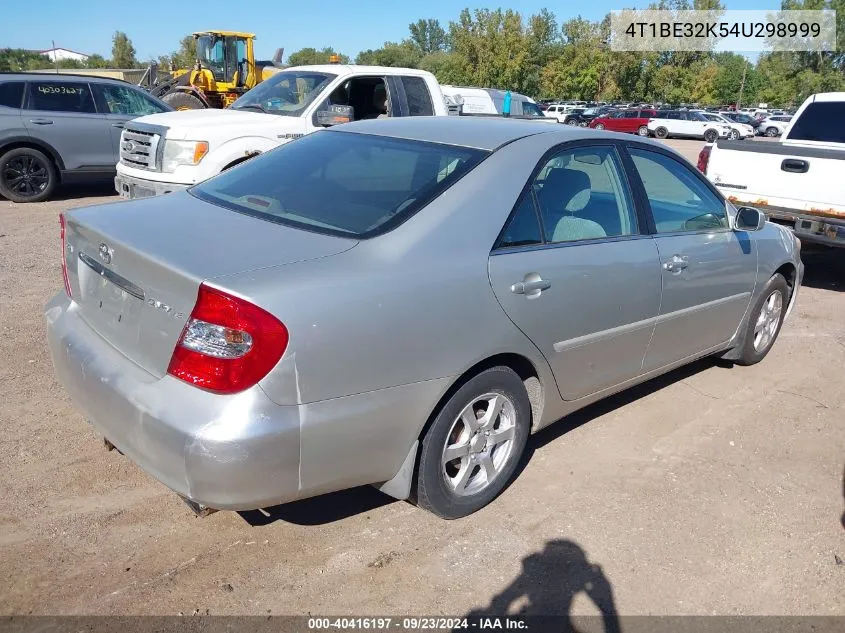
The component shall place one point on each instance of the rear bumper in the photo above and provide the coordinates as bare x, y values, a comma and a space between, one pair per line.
130, 188
809, 228
227, 452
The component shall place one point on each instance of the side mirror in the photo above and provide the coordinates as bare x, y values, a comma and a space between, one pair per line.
749, 219
335, 115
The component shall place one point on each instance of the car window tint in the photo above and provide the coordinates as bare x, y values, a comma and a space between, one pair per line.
57, 96
523, 229
353, 185
631, 114
419, 100
125, 100
582, 194
11, 94
679, 200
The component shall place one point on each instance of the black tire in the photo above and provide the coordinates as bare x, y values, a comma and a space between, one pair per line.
748, 353
183, 101
661, 132
432, 490
599, 126
642, 130
27, 175
771, 132
733, 135
711, 135
571, 122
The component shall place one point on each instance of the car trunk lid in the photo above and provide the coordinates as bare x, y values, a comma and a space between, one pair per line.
135, 267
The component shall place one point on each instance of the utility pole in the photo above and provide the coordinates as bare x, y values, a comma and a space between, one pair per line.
55, 57
742, 84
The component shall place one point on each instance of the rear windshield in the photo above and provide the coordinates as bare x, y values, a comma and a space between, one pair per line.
820, 121
341, 183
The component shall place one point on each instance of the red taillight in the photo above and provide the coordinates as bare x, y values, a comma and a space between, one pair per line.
228, 344
64, 256
703, 159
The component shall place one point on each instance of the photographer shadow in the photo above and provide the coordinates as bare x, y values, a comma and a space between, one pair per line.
547, 586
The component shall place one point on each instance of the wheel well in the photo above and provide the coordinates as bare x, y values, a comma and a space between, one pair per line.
523, 367
49, 151
788, 271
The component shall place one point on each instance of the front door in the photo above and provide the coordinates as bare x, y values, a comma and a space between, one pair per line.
121, 104
573, 271
708, 270
62, 114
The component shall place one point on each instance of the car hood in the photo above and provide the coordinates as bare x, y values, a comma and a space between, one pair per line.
200, 124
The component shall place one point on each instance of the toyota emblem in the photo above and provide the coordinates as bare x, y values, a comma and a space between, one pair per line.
105, 253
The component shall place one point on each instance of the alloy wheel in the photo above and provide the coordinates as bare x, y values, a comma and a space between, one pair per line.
768, 321
26, 176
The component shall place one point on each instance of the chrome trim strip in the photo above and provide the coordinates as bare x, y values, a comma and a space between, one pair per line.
121, 282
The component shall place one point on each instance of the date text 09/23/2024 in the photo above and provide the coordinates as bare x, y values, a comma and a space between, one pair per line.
418, 623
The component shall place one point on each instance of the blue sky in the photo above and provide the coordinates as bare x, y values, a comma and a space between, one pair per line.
155, 26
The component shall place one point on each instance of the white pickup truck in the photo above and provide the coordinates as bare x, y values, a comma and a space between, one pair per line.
167, 152
798, 181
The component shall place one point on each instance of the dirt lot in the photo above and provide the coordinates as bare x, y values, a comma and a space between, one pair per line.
711, 490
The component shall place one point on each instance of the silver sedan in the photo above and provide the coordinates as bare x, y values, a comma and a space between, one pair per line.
401, 303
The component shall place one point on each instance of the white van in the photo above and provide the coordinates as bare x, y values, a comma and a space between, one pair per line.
489, 101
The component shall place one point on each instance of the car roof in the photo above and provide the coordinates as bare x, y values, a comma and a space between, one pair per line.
347, 69
71, 77
484, 133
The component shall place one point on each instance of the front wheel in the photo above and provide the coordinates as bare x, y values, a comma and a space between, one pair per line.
474, 445
765, 321
771, 132
599, 126
733, 135
710, 136
183, 101
27, 175
661, 132
642, 130
571, 122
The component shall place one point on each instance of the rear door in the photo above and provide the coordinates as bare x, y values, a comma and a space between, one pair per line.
574, 272
708, 271
628, 121
120, 104
62, 114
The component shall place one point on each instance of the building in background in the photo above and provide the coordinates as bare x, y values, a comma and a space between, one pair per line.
63, 53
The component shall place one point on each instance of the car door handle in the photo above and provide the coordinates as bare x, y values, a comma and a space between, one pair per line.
525, 287
795, 165
41, 121
676, 264
120, 125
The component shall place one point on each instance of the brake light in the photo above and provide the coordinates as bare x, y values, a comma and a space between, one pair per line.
64, 256
704, 159
228, 344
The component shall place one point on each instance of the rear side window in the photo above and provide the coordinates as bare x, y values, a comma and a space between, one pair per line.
117, 99
820, 121
58, 96
11, 94
419, 100
345, 184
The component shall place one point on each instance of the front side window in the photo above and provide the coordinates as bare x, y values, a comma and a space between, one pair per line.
123, 100
419, 99
582, 194
11, 94
531, 109
285, 93
351, 185
58, 96
679, 200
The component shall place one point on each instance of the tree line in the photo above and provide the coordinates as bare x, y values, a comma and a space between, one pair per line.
538, 56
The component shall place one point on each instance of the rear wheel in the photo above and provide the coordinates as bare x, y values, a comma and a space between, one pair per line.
571, 122
711, 135
661, 132
472, 448
642, 130
765, 321
27, 175
771, 132
182, 101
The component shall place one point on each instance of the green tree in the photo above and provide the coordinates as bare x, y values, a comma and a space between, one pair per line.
18, 59
427, 36
403, 55
449, 68
122, 51
309, 55
96, 61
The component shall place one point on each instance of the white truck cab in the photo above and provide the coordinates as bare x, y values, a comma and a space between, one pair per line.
167, 152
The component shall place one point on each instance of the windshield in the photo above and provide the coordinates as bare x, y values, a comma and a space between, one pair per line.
286, 93
341, 183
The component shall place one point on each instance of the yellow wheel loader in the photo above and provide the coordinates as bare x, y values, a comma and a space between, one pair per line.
225, 68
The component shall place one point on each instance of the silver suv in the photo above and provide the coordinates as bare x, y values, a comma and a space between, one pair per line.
62, 128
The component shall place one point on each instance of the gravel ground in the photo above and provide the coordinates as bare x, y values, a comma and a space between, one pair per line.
712, 490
